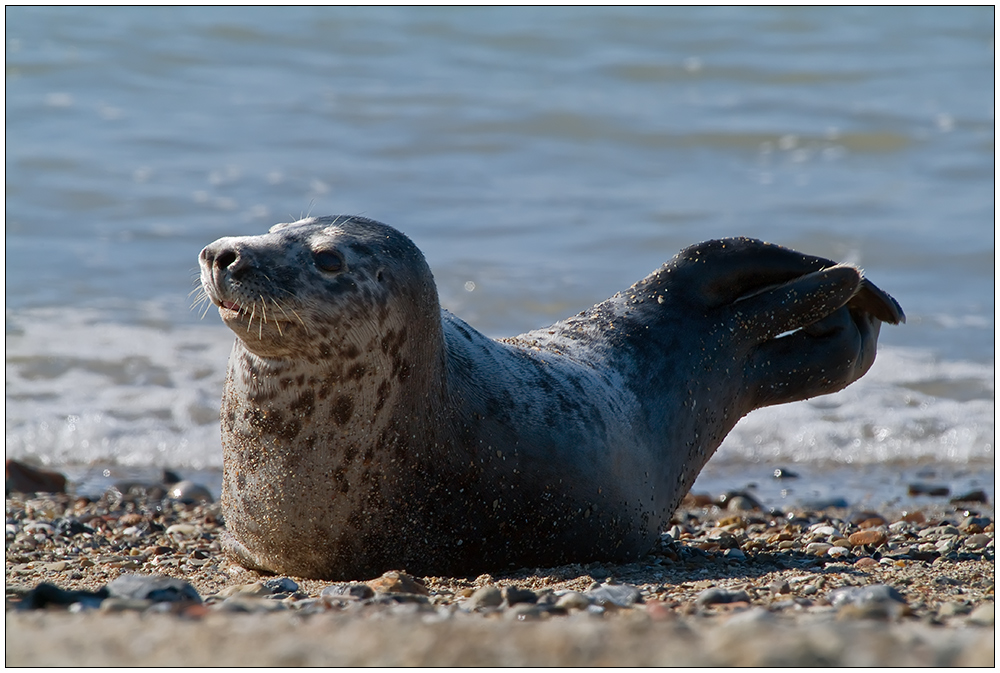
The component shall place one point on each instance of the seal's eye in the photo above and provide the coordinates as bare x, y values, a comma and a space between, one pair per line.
328, 260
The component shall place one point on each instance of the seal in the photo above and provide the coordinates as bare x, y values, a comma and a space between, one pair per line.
365, 429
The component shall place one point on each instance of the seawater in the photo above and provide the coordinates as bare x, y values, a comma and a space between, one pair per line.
542, 158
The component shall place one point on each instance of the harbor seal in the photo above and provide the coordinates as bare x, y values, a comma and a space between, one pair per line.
365, 429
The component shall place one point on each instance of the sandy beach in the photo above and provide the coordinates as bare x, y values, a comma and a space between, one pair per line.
727, 587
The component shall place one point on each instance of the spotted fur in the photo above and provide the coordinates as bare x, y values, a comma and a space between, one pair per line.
365, 429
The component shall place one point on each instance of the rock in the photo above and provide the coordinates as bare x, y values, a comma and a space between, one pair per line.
253, 590
514, 595
46, 594
823, 529
971, 496
717, 595
818, 548
878, 601
397, 582
951, 609
157, 588
779, 586
867, 537
928, 489
348, 590
820, 504
22, 478
189, 492
784, 473
620, 595
485, 597
734, 554
977, 541
124, 604
982, 615
914, 517
939, 531
281, 585
573, 600
182, 529
738, 501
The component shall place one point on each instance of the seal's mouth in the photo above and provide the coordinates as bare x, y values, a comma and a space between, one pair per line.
232, 306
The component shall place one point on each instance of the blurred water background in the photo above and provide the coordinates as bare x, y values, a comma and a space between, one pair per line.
542, 158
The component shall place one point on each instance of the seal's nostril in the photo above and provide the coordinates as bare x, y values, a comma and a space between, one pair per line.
225, 259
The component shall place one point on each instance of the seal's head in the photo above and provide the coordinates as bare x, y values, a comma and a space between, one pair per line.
317, 287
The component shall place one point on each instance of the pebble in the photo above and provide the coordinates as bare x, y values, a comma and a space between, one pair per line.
157, 588
717, 595
485, 597
871, 537
281, 585
397, 582
977, 541
620, 595
573, 600
983, 615
872, 601
514, 595
190, 492
348, 590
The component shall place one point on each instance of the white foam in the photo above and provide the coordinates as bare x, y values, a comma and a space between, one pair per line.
91, 391
908, 407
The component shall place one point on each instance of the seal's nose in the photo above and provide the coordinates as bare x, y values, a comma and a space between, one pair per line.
219, 255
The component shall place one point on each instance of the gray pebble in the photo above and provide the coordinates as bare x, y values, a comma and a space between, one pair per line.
514, 595
157, 588
189, 492
281, 585
779, 586
573, 600
879, 601
621, 595
717, 595
983, 615
484, 597
348, 591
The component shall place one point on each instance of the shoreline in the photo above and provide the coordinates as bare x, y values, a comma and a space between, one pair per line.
726, 586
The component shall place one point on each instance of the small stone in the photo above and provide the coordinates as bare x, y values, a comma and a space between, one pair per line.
740, 503
879, 601
983, 615
396, 582
182, 529
348, 591
22, 478
58, 566
928, 489
717, 595
871, 521
621, 595
784, 473
281, 585
157, 588
46, 594
822, 529
818, 548
971, 496
836, 551
485, 597
573, 600
779, 586
124, 604
867, 537
939, 531
977, 541
951, 609
190, 493
514, 595
866, 562
735, 554
914, 517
